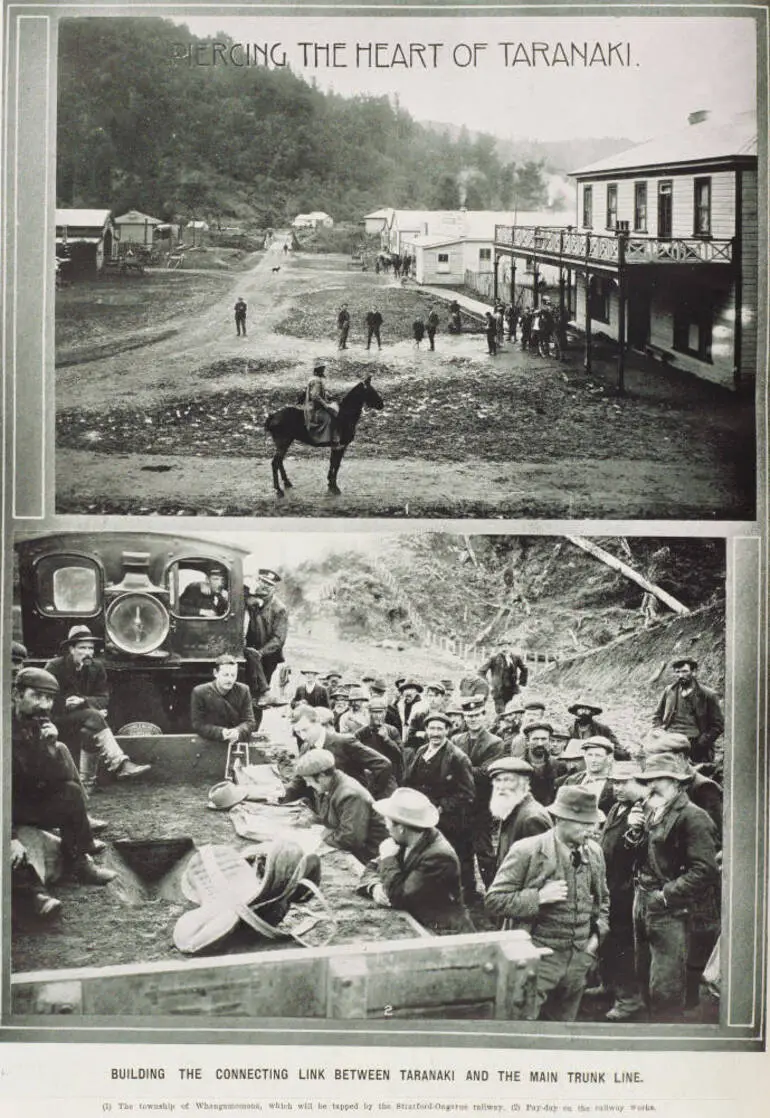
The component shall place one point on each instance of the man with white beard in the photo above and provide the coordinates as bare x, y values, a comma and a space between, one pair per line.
675, 864
513, 805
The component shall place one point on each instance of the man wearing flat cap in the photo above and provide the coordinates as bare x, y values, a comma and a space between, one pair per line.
512, 804
266, 626
597, 755
617, 966
481, 748
365, 765
554, 885
676, 862
546, 770
80, 709
433, 698
311, 692
587, 725
208, 598
443, 773
507, 674
533, 711
343, 805
46, 790
378, 735
18, 658
687, 707
417, 868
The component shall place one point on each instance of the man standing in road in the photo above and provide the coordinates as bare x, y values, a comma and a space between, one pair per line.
373, 325
266, 624
343, 326
240, 317
432, 327
554, 885
687, 707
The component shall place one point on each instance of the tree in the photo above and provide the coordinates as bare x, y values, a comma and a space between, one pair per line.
530, 188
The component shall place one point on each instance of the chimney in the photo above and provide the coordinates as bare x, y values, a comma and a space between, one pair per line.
698, 116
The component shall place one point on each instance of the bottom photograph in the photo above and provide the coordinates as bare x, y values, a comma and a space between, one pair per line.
355, 775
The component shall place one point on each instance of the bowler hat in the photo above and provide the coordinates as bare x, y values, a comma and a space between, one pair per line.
377, 703
309, 671
624, 770
598, 742
358, 693
665, 764
437, 716
339, 693
225, 795
77, 634
575, 804
410, 807
685, 660
667, 743
584, 704
534, 704
510, 765
537, 726
402, 684
37, 678
378, 686
313, 762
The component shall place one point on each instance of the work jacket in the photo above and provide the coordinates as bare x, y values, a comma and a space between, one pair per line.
211, 713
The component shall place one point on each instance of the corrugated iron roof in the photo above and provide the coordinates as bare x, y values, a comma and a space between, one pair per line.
82, 217
712, 138
136, 217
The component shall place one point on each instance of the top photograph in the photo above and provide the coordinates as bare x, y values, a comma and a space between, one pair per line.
490, 267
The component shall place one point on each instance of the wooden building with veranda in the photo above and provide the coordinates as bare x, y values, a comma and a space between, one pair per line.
664, 254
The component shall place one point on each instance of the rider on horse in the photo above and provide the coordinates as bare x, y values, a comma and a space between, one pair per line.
320, 411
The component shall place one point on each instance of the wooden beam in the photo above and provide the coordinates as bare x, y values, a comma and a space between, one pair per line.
624, 569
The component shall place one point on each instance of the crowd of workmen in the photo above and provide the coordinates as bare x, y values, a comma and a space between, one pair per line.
464, 800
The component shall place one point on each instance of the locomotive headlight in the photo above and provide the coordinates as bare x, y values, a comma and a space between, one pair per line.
137, 623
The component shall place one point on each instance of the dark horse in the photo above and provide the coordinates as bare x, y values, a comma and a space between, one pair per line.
288, 425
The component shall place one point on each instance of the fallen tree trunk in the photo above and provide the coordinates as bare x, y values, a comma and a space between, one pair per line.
618, 565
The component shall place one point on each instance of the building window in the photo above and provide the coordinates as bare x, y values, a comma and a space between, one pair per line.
702, 225
612, 205
599, 298
693, 323
588, 207
640, 207
485, 255
442, 264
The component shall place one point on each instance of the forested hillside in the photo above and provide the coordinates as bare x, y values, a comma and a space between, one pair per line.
138, 127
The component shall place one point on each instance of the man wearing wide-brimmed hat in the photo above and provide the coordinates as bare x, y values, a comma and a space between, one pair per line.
443, 773
587, 725
417, 868
687, 707
512, 804
400, 712
675, 865
46, 790
320, 410
616, 957
702, 790
311, 692
343, 805
357, 714
80, 709
266, 626
554, 885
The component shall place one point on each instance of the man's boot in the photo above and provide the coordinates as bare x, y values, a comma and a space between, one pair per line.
88, 767
114, 757
85, 870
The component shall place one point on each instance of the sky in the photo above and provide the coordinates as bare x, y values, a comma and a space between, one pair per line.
290, 549
677, 65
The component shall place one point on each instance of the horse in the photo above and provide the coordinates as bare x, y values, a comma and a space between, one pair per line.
288, 425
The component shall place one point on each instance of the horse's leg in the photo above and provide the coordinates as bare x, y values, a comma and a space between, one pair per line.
287, 484
334, 468
276, 463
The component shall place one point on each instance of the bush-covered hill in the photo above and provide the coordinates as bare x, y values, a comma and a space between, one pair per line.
139, 127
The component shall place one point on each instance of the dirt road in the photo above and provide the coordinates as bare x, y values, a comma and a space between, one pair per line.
176, 426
